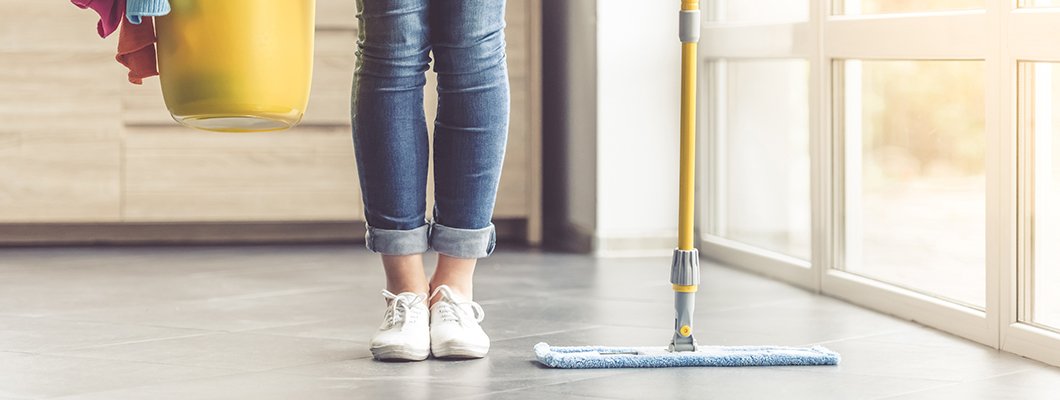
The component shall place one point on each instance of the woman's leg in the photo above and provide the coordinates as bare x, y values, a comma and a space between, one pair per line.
391, 146
390, 135
470, 134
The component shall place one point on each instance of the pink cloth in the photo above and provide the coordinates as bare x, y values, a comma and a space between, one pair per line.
136, 49
111, 12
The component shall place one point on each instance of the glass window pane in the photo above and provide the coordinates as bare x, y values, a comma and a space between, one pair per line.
1043, 80
857, 7
758, 10
762, 160
915, 175
1039, 3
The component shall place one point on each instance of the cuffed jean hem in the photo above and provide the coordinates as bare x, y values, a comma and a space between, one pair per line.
463, 243
396, 242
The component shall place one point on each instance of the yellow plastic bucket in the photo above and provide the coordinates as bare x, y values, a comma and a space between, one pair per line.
237, 65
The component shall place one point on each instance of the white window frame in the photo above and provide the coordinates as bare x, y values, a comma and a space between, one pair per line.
1001, 35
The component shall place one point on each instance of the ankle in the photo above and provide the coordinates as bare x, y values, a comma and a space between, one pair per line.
398, 286
464, 292
401, 288
405, 274
457, 273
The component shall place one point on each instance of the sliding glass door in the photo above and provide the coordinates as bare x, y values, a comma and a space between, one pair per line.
903, 155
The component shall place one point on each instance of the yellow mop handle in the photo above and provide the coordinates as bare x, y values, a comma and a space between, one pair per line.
686, 216
684, 270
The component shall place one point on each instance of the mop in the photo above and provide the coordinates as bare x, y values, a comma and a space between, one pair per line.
683, 350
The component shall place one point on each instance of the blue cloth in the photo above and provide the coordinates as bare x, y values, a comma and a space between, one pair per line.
394, 47
705, 356
135, 10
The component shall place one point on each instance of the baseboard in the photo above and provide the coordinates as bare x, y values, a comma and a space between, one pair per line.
50, 234
635, 246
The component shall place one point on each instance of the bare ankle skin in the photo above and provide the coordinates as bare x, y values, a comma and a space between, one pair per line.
405, 274
457, 273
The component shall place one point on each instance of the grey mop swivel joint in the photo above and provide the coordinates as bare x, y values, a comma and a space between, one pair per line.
684, 275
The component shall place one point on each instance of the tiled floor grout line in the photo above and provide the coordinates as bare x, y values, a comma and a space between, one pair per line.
32, 316
278, 293
97, 358
866, 336
669, 303
135, 386
277, 370
63, 318
257, 330
816, 370
547, 385
721, 310
23, 353
235, 372
60, 350
65, 352
958, 383
951, 384
584, 328
617, 373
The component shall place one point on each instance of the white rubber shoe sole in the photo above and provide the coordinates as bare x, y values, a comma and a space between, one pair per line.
459, 350
399, 353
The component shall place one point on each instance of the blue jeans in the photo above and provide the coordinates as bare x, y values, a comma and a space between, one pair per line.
396, 40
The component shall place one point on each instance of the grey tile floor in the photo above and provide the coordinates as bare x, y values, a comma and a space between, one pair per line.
292, 322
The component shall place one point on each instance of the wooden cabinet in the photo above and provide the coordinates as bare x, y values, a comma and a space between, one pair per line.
80, 145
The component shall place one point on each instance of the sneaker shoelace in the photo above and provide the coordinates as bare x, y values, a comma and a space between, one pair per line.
451, 310
399, 309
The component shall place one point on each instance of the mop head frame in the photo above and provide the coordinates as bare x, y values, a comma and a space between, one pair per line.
659, 357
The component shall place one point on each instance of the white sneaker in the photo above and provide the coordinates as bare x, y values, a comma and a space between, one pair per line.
455, 332
405, 332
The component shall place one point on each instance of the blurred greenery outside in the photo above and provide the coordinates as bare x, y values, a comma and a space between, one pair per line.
922, 119
923, 180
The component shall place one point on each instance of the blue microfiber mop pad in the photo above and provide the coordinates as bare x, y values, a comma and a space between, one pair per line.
705, 356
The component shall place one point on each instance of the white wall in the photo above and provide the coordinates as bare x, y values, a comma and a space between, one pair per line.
638, 103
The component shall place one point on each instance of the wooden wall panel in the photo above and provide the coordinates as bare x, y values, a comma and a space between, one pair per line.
242, 206
143, 105
49, 26
337, 15
173, 174
60, 116
513, 191
329, 103
59, 94
51, 178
